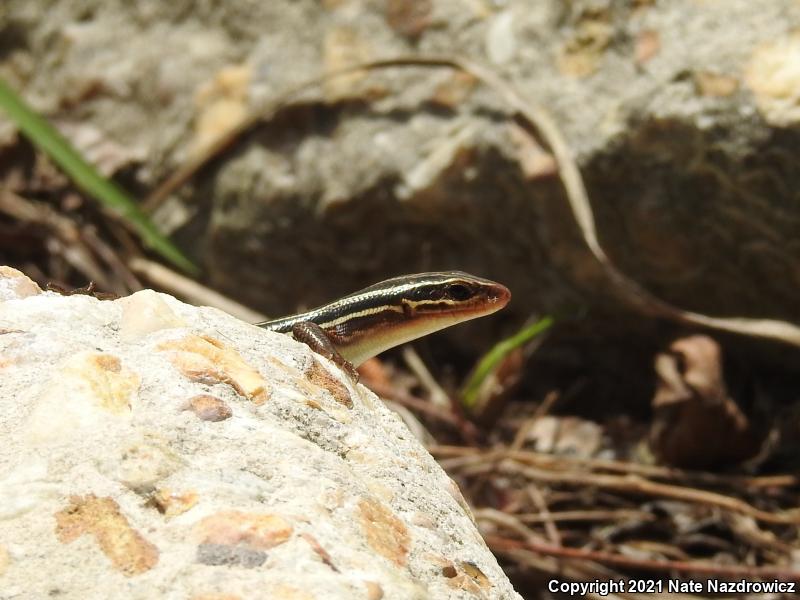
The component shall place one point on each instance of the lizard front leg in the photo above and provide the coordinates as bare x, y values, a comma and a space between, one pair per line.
313, 336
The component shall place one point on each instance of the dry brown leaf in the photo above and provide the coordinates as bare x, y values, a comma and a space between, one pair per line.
696, 422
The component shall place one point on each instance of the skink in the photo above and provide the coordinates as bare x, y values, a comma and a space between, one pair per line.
359, 326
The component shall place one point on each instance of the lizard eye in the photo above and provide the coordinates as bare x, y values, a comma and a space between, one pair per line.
459, 292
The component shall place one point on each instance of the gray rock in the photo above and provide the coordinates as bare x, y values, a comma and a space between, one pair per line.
682, 116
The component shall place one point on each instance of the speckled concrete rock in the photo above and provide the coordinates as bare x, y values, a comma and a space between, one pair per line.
151, 449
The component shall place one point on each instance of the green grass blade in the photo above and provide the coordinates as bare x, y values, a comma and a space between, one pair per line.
492, 359
45, 137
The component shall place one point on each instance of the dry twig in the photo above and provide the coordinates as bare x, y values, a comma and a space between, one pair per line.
190, 290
